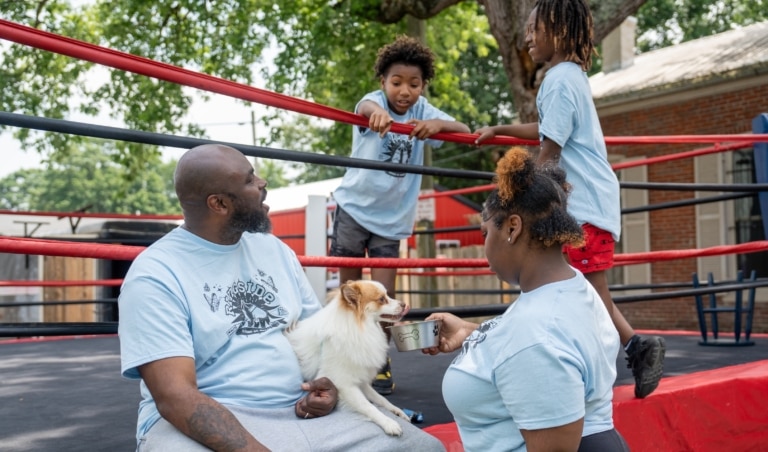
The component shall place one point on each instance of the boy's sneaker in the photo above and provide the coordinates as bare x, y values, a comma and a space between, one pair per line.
383, 383
645, 356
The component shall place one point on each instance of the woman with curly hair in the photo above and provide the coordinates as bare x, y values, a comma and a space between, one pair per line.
540, 376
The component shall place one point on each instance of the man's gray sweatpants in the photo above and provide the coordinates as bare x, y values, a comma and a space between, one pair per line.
280, 430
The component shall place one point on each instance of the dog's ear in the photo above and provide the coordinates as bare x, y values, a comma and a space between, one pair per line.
350, 293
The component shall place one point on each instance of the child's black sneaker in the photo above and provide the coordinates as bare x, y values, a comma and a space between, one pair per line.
645, 356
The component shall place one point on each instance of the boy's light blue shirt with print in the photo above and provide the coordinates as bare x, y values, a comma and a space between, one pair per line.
384, 202
567, 116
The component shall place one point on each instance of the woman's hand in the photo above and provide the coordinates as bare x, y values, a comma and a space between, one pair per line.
453, 331
320, 400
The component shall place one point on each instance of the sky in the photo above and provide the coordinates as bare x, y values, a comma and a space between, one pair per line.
14, 157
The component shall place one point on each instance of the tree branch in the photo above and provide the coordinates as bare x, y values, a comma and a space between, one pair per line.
392, 11
609, 14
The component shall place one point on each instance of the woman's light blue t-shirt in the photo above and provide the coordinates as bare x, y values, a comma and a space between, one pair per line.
549, 360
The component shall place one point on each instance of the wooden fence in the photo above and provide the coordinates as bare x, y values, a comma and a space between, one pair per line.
443, 285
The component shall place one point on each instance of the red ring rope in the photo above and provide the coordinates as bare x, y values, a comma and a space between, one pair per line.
63, 45
16, 245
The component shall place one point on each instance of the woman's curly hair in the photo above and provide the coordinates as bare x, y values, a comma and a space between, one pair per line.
409, 51
538, 194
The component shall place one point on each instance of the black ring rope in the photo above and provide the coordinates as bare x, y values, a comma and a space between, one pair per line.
617, 288
497, 309
175, 141
85, 328
158, 139
56, 303
695, 187
56, 329
684, 202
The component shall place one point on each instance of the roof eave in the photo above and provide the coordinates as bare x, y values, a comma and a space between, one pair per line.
727, 81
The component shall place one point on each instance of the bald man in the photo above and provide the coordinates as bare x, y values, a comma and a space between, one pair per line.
202, 314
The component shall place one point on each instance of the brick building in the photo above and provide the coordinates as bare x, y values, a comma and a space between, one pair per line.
710, 86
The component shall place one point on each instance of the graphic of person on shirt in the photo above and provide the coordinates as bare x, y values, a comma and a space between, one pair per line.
397, 149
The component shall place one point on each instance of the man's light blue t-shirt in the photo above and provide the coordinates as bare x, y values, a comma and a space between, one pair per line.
549, 360
567, 116
384, 202
225, 306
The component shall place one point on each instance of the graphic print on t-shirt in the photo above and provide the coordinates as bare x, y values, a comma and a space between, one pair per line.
214, 298
477, 337
397, 149
252, 303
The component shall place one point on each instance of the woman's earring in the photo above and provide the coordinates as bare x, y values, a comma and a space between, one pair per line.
509, 239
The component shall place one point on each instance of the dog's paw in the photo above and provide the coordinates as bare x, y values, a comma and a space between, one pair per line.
391, 427
401, 414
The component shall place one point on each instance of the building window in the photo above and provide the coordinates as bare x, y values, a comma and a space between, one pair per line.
748, 222
635, 232
615, 274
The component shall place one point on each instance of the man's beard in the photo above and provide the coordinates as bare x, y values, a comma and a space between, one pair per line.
250, 220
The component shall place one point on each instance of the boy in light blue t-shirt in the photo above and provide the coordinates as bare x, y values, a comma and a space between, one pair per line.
377, 209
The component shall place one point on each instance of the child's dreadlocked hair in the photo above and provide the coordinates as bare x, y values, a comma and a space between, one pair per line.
538, 194
570, 23
408, 51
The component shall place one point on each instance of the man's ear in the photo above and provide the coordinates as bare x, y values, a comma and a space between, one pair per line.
218, 203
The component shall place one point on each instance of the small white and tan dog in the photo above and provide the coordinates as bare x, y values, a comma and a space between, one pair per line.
345, 343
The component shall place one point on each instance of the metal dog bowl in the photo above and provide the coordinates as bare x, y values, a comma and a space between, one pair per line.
416, 335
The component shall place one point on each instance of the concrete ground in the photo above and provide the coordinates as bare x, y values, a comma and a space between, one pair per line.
67, 395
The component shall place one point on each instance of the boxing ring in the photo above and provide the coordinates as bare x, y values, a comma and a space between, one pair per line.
710, 399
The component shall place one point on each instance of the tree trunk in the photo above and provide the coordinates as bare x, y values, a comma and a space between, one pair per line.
425, 243
507, 23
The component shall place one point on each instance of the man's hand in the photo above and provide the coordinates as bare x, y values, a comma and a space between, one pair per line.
320, 401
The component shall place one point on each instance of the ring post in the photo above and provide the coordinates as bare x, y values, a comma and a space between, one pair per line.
316, 241
760, 125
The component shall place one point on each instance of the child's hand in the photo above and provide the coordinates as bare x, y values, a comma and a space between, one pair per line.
424, 129
485, 134
380, 121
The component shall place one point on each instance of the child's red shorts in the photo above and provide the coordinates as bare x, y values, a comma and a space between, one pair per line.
597, 252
